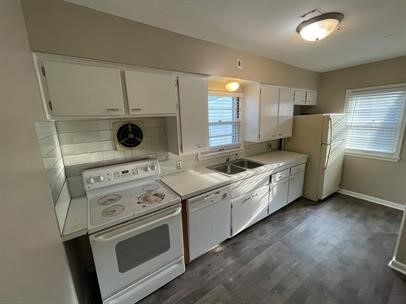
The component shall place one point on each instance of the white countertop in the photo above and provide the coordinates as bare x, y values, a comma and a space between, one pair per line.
186, 184
195, 181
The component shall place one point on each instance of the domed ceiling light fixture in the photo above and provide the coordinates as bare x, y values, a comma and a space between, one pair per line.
319, 27
232, 86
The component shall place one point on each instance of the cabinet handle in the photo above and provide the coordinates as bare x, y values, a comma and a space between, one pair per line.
250, 197
211, 196
113, 109
136, 109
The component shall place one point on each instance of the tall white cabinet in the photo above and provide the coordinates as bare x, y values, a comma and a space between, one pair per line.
82, 90
268, 112
193, 113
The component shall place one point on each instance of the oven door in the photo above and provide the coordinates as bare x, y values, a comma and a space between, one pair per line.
129, 252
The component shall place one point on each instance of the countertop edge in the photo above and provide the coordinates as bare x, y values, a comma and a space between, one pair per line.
76, 219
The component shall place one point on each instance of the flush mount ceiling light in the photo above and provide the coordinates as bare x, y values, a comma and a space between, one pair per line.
232, 86
319, 27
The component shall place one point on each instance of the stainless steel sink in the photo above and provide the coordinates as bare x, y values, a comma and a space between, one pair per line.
228, 169
247, 164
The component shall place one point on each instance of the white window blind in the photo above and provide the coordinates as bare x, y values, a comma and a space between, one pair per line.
375, 122
224, 121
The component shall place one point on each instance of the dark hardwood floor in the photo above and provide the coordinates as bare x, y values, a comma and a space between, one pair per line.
335, 251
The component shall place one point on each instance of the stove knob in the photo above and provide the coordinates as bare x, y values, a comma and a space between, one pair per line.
152, 166
90, 180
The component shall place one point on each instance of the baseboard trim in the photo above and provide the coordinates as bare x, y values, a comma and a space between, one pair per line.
398, 266
373, 199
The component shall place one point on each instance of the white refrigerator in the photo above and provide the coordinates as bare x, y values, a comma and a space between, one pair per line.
322, 137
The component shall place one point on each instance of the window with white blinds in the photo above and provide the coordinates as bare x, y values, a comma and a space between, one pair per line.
224, 122
376, 121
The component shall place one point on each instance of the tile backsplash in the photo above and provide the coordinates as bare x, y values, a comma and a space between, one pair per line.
69, 147
51, 156
91, 141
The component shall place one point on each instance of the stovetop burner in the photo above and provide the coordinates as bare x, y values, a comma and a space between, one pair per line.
150, 197
108, 200
113, 210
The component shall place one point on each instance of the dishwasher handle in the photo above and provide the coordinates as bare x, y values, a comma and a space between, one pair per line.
207, 201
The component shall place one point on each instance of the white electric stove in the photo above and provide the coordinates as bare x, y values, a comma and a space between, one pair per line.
135, 230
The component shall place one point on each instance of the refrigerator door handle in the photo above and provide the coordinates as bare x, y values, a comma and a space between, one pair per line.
330, 125
328, 157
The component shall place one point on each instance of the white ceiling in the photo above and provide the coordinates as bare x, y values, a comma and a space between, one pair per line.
372, 29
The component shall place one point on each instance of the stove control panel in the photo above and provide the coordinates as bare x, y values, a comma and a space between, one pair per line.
121, 173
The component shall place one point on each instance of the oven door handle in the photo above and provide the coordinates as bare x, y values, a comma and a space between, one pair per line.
109, 236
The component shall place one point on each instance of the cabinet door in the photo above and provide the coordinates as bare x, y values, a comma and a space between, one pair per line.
300, 97
82, 90
285, 112
278, 195
311, 98
269, 108
151, 92
193, 104
295, 186
249, 209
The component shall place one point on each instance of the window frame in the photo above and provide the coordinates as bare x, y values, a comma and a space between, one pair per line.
230, 147
372, 154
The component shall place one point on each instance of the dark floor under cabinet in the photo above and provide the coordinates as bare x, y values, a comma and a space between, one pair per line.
335, 251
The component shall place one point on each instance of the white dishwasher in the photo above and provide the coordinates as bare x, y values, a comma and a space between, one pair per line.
208, 220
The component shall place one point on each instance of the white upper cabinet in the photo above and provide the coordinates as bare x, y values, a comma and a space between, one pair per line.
269, 104
268, 112
300, 97
285, 122
311, 97
305, 97
151, 92
193, 111
83, 90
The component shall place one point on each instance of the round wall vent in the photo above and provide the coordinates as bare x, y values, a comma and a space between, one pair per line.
129, 135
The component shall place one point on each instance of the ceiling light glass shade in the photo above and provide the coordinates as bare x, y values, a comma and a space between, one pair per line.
232, 86
319, 27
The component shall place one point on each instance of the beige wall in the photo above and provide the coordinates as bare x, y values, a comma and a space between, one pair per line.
63, 28
33, 266
382, 179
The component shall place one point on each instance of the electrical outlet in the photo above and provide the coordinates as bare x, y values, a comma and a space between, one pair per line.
179, 164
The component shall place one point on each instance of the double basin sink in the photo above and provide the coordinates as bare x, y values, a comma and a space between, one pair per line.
237, 166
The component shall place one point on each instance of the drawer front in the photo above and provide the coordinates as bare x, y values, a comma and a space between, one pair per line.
249, 209
297, 169
280, 175
248, 185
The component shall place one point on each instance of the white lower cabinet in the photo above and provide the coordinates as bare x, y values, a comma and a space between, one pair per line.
286, 186
295, 186
249, 209
278, 195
